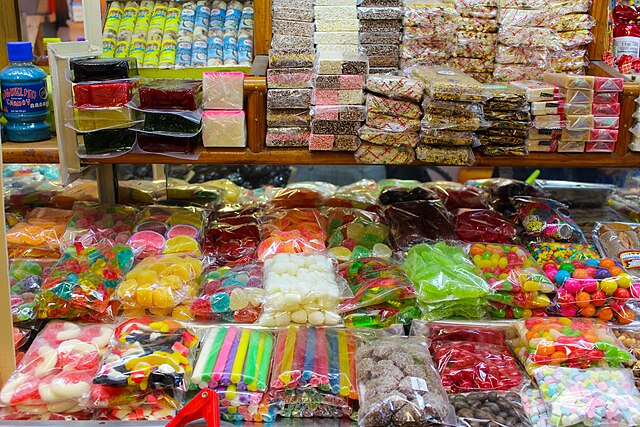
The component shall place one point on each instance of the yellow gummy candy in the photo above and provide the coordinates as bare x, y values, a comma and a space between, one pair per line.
183, 312
180, 244
172, 281
183, 271
163, 312
163, 297
144, 295
190, 218
127, 290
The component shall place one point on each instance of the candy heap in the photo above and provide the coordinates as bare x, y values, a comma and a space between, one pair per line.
39, 234
482, 225
146, 372
101, 91
572, 22
592, 111
380, 33
314, 372
393, 119
546, 220
92, 222
292, 231
508, 112
452, 112
235, 362
354, 233
232, 237
223, 120
25, 279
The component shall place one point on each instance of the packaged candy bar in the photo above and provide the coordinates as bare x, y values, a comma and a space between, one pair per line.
521, 55
605, 97
281, 43
349, 113
101, 69
289, 98
283, 117
396, 87
578, 96
288, 137
385, 155
445, 155
336, 38
447, 137
600, 147
518, 116
608, 84
538, 91
550, 122
380, 104
513, 72
292, 14
452, 108
532, 37
294, 28
448, 84
578, 109
393, 37
494, 140
380, 13
575, 135
102, 95
344, 81
291, 58
606, 122
222, 90
523, 17
547, 108
603, 135
580, 122
461, 123
289, 78
505, 97
504, 150
335, 127
606, 110
569, 81
544, 134
337, 97
337, 25
392, 123
573, 39
571, 147
384, 137
542, 145
341, 63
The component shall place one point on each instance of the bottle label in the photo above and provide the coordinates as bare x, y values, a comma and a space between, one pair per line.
626, 46
28, 98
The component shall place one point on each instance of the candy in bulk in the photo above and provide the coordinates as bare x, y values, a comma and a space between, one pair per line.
631, 340
587, 285
81, 283
25, 279
388, 370
359, 195
535, 407
590, 397
501, 190
92, 222
227, 243
162, 285
561, 341
547, 220
300, 289
457, 196
316, 368
409, 225
231, 294
292, 231
301, 197
482, 225
56, 373
385, 155
395, 87
39, 234
619, 241
235, 362
159, 94
146, 370
447, 282
353, 234
488, 409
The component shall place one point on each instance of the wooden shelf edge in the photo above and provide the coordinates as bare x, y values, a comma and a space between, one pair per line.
31, 152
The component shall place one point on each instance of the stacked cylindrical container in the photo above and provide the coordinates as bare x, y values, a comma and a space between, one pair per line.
592, 111
430, 32
507, 113
338, 98
223, 121
393, 118
452, 113
290, 72
477, 34
381, 33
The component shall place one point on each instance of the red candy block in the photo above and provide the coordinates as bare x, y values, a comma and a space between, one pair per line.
483, 225
102, 95
171, 95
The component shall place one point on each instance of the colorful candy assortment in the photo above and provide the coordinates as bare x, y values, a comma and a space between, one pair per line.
547, 220
356, 234
39, 234
92, 222
26, 278
292, 231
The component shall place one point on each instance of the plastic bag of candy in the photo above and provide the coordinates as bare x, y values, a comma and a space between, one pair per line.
435, 332
39, 234
596, 396
481, 409
30, 191
457, 196
301, 289
375, 281
561, 341
227, 244
418, 222
383, 315
399, 385
80, 190
25, 280
162, 285
482, 225
396, 194
167, 230
361, 194
547, 220
534, 407
292, 231
55, 375
81, 283
231, 294
588, 285
92, 222
501, 190
121, 404
301, 196
354, 233
619, 241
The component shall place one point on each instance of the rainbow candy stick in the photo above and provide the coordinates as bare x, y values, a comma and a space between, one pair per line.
353, 394
321, 356
310, 351
343, 357
278, 359
263, 372
223, 355
226, 373
253, 385
250, 365
334, 367
287, 358
298, 356
241, 354
208, 356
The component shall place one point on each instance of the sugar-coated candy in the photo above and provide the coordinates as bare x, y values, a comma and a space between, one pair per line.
483, 225
292, 231
535, 407
81, 283
561, 341
92, 222
300, 289
233, 294
590, 397
39, 234
56, 372
25, 280
162, 285
409, 225
354, 233
385, 155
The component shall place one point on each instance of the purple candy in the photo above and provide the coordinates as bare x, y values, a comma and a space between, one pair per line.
602, 273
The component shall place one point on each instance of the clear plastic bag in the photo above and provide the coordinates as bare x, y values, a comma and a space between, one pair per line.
448, 137
230, 244
547, 220
291, 58
103, 94
482, 225
165, 94
354, 234
125, 405
39, 234
408, 225
448, 84
292, 231
453, 122
619, 241
392, 123
92, 222
399, 385
630, 338
289, 98
383, 105
222, 90
395, 140
460, 156
25, 280
397, 87
489, 410
383, 315
385, 155
280, 78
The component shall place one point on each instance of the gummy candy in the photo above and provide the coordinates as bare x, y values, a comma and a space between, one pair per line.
39, 235
482, 225
26, 278
92, 222
292, 231
418, 222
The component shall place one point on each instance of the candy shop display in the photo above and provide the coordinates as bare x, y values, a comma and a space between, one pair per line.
26, 277
594, 396
563, 341
236, 362
399, 385
39, 234
354, 234
292, 231
147, 368
92, 222
56, 373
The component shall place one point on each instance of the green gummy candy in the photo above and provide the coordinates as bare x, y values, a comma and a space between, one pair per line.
360, 252
369, 240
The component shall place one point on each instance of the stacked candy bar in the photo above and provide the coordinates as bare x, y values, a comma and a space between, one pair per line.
430, 32
393, 114
338, 99
452, 113
547, 111
336, 26
572, 22
592, 111
475, 52
382, 44
223, 120
508, 114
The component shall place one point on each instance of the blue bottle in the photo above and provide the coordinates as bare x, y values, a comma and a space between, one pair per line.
25, 102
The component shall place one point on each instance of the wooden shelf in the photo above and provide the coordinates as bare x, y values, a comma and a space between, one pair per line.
31, 152
296, 156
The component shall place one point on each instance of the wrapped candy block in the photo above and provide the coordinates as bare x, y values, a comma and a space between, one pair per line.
107, 141
222, 90
354, 234
39, 234
148, 365
167, 94
589, 396
341, 63
408, 224
396, 87
233, 294
300, 289
513, 274
385, 155
56, 372
106, 118
155, 143
232, 244
547, 220
92, 222
292, 231
483, 225
25, 280
168, 122
102, 95
224, 128
162, 285
101, 69
561, 341
294, 78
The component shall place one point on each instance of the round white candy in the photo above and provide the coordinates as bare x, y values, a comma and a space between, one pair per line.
283, 319
299, 316
316, 318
